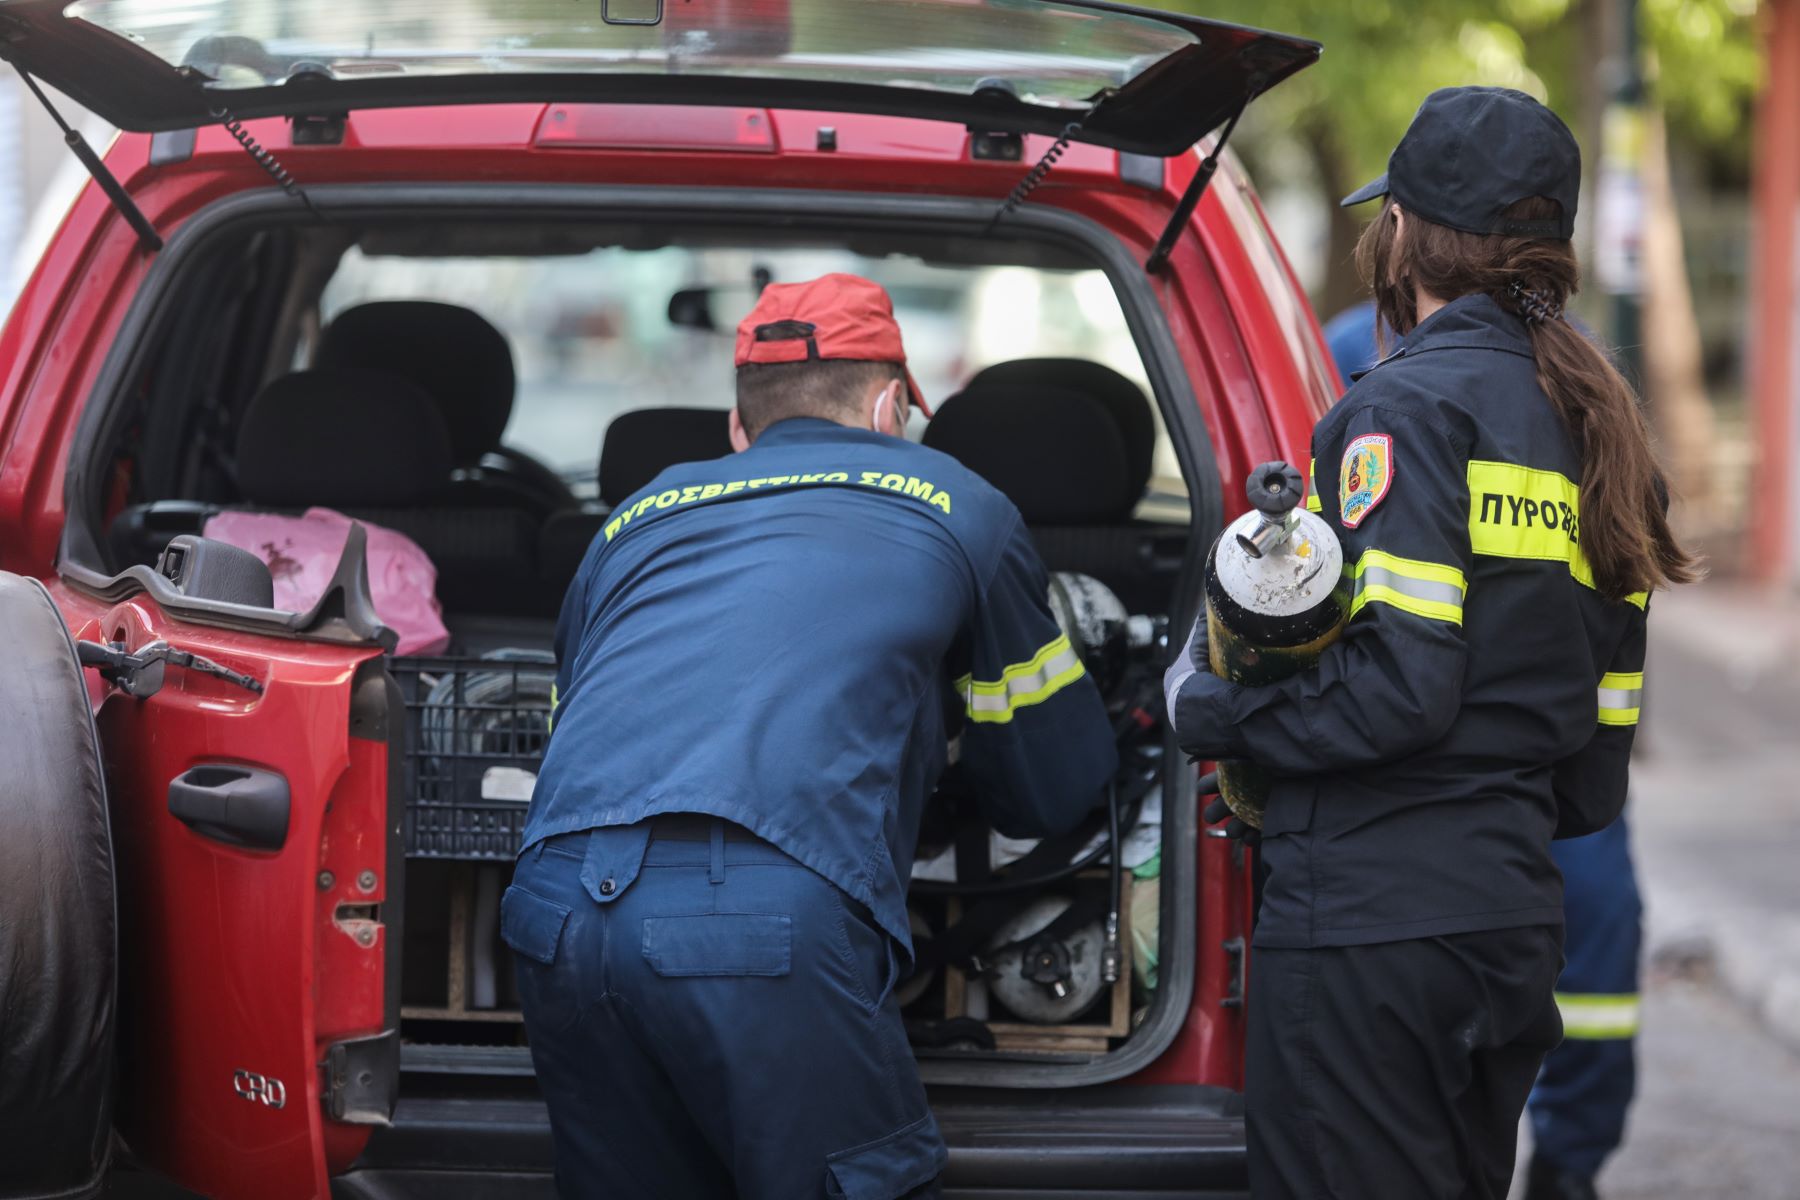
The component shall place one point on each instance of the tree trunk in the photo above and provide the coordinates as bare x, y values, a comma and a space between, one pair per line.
1674, 383
1342, 286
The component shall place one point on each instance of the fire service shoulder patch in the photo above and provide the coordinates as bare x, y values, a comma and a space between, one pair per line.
1365, 476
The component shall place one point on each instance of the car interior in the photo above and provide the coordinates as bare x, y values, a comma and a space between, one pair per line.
493, 391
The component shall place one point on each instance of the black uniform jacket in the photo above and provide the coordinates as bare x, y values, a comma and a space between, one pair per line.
1484, 695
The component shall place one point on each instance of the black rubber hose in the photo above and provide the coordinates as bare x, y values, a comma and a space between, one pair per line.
995, 887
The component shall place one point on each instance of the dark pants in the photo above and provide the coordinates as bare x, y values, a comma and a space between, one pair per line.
714, 1020
1396, 1070
1578, 1107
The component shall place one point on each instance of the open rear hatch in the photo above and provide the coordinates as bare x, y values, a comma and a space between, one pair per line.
1132, 79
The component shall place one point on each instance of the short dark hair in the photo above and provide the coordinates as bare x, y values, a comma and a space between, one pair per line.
828, 387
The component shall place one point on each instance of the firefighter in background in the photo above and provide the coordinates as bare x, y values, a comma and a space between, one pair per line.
1578, 1107
1508, 526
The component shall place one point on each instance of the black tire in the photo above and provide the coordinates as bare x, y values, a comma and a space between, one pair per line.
58, 921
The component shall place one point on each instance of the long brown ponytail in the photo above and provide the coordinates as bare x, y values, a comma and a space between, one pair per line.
1624, 525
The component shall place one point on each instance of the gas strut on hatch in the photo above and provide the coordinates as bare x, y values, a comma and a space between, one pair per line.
109, 183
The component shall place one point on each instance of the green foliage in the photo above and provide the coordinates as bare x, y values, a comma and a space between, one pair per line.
1707, 64
1382, 57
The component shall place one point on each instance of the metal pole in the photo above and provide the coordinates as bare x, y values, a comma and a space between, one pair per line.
1620, 223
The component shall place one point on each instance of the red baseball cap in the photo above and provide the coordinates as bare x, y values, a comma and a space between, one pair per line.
833, 316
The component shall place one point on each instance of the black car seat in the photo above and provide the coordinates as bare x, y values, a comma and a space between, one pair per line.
376, 447
1070, 443
1123, 400
464, 364
638, 446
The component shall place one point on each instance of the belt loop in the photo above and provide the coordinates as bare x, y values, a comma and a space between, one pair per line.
718, 850
537, 851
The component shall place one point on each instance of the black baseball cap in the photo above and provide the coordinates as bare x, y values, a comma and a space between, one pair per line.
1471, 152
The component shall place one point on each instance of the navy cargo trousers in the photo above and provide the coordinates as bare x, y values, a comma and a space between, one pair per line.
709, 1018
1578, 1107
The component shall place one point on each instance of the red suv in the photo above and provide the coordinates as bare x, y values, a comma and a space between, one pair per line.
546, 220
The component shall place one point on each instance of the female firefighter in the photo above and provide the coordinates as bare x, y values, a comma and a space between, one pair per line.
1503, 522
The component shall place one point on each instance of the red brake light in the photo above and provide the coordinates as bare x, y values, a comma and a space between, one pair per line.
655, 127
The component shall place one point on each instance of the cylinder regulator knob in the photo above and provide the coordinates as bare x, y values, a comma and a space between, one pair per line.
1275, 489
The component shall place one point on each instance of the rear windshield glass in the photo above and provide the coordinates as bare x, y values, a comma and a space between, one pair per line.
597, 334
1046, 53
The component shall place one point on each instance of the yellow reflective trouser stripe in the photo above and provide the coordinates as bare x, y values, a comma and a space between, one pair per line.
1312, 492
1621, 694
1598, 1017
1046, 673
1429, 590
1521, 512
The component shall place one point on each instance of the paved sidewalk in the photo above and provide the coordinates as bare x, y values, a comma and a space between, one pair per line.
1716, 793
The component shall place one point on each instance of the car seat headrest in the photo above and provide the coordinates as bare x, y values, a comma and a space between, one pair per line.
1121, 397
640, 444
341, 439
453, 353
1057, 454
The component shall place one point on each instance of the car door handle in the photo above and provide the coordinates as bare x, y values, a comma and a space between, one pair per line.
240, 806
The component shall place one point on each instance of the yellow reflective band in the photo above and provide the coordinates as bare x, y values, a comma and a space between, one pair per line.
1429, 590
550, 717
1521, 512
1034, 681
1620, 695
1598, 1017
1312, 492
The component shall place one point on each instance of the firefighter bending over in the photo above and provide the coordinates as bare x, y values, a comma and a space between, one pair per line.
709, 912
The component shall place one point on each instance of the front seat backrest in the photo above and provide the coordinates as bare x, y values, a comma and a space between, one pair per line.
641, 444
1122, 398
452, 353
1057, 454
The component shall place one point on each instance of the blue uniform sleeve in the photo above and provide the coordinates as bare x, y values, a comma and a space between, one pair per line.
570, 622
1036, 740
1392, 685
1590, 785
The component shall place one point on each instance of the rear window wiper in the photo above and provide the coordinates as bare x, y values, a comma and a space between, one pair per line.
134, 216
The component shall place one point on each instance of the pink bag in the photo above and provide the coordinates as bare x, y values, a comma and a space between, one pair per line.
303, 551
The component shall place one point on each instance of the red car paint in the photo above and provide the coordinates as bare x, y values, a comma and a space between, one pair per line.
218, 939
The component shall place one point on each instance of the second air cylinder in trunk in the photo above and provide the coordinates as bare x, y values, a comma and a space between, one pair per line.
1275, 599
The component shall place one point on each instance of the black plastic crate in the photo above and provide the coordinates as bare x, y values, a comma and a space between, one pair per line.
475, 735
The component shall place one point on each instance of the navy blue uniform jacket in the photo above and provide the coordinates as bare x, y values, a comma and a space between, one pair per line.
771, 637
1484, 696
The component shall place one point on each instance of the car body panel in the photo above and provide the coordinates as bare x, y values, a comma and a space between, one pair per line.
241, 966
1250, 349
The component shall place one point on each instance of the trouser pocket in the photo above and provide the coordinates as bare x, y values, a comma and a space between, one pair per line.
533, 926
901, 1165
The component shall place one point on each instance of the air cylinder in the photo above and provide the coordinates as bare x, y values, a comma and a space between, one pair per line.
1276, 597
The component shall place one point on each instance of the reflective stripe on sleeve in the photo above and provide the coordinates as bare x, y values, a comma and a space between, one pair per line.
550, 717
1046, 673
1312, 491
1598, 1017
1621, 694
1424, 589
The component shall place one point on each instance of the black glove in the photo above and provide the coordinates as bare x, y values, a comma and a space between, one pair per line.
1235, 827
1190, 662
